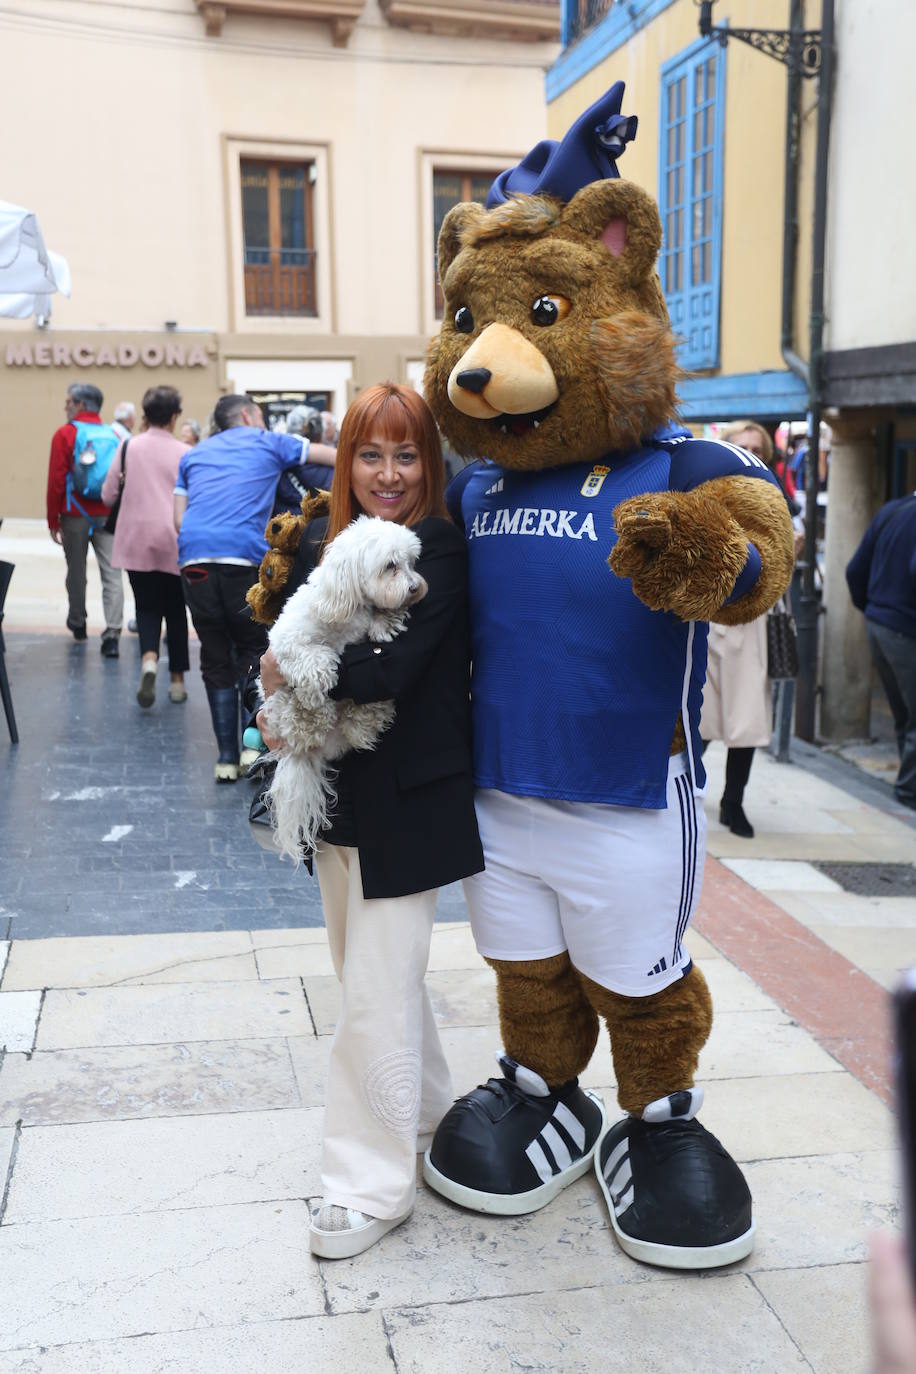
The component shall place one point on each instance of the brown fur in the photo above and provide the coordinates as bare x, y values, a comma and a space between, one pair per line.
682, 551
283, 534
761, 511
655, 1041
545, 1020
614, 379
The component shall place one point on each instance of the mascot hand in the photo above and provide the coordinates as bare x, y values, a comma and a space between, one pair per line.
682, 550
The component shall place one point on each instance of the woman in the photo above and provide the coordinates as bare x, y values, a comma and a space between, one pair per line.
737, 697
402, 827
145, 543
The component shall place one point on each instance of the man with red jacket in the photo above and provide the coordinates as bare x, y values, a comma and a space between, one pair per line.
75, 531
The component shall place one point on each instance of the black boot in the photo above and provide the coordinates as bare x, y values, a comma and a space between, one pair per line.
732, 814
224, 709
512, 1144
675, 1195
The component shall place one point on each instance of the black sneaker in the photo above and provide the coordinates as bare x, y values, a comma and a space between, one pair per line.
78, 631
510, 1149
109, 647
676, 1197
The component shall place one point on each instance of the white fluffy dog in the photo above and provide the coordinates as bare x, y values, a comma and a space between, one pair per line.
362, 589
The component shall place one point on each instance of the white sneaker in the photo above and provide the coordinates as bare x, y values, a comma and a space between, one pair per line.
146, 692
341, 1232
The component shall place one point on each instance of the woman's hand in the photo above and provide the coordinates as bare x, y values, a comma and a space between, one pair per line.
273, 742
271, 677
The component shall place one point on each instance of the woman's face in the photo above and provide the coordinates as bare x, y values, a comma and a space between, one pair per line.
751, 442
387, 478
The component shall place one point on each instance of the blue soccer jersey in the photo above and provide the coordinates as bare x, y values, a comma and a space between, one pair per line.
576, 684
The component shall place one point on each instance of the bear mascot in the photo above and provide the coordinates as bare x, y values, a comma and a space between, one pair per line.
555, 367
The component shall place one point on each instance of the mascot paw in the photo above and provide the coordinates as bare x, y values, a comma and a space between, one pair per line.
682, 551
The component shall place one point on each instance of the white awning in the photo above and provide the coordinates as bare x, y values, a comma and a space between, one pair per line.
29, 272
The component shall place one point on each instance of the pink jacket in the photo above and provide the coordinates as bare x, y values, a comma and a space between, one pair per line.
145, 538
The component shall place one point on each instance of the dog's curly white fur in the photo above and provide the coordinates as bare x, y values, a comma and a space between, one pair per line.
362, 589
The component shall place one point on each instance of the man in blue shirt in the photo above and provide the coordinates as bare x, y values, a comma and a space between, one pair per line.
882, 582
223, 499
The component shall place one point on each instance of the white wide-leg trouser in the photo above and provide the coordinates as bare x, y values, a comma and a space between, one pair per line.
388, 1079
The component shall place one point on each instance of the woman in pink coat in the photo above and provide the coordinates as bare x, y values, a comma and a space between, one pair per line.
145, 542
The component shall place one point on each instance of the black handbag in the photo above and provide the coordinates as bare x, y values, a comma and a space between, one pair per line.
112, 520
782, 642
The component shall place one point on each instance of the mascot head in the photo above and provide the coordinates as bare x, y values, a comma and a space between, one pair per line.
555, 344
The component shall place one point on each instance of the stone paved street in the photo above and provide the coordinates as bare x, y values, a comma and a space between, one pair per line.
166, 1007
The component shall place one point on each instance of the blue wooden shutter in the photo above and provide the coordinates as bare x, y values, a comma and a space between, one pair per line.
690, 198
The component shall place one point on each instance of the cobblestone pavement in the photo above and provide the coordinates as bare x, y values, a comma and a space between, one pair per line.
167, 1004
110, 817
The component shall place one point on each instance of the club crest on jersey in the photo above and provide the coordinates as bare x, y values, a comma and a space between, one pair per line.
595, 480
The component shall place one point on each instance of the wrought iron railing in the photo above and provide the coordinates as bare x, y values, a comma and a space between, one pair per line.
280, 281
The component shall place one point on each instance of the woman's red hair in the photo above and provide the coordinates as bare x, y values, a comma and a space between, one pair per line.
387, 411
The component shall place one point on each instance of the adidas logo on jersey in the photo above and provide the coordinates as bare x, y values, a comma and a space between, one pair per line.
560, 1142
496, 487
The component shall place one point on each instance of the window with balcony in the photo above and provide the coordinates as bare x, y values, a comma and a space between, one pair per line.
450, 187
279, 237
690, 198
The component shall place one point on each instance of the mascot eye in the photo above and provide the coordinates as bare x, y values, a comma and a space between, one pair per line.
549, 309
464, 320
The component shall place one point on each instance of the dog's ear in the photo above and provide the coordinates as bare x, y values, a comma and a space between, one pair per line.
337, 585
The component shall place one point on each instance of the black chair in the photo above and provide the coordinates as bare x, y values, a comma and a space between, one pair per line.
6, 573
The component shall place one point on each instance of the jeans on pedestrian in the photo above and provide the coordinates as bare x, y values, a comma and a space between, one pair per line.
894, 657
158, 595
76, 538
231, 642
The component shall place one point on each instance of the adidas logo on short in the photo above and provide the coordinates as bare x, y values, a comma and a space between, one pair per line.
619, 1177
556, 1147
660, 967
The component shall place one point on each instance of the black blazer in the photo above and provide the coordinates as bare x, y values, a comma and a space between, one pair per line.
413, 795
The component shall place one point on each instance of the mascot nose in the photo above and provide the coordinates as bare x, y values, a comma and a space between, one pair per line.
474, 379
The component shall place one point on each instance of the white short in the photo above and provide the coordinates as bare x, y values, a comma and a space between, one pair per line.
616, 886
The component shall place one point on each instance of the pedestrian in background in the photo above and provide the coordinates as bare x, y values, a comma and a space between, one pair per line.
190, 433
125, 418
329, 430
296, 483
223, 498
77, 523
145, 542
882, 582
737, 697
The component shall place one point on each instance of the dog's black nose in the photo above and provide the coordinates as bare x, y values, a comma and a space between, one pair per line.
475, 379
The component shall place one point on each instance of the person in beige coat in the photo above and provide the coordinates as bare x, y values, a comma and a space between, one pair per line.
737, 698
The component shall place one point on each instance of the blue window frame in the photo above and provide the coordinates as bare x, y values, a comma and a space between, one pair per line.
690, 197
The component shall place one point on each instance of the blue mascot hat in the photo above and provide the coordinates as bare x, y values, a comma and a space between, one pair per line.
588, 152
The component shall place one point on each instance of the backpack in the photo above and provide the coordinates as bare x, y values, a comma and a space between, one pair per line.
95, 447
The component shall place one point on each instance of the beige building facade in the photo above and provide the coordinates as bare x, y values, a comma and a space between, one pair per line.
247, 192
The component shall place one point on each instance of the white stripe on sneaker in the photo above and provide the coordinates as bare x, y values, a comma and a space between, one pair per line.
571, 1124
623, 1177
557, 1145
619, 1152
539, 1160
624, 1202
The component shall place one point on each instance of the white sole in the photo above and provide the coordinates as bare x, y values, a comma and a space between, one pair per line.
346, 1244
674, 1256
513, 1204
226, 772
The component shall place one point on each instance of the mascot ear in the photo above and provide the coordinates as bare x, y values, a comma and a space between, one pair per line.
621, 216
454, 229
